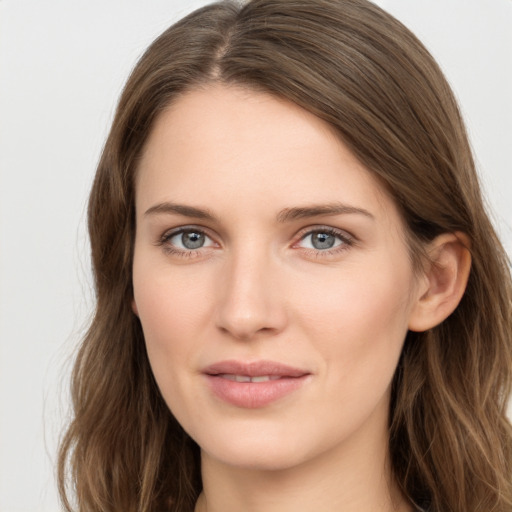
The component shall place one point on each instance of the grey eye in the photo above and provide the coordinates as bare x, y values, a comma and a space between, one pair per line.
192, 239
189, 240
322, 240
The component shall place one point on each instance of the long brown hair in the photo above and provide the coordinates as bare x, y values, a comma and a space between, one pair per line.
356, 67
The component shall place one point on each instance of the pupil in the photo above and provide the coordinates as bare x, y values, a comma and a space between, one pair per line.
322, 240
192, 240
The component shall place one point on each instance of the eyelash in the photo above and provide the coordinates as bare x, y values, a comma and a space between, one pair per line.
346, 239
168, 248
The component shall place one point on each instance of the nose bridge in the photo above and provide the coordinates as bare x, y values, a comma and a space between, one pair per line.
249, 301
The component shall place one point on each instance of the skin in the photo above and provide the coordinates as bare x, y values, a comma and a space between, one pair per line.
259, 289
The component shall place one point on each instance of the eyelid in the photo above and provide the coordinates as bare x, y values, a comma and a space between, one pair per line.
169, 232
167, 235
347, 238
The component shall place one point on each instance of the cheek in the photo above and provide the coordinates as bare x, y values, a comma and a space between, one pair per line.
171, 309
168, 314
358, 325
358, 322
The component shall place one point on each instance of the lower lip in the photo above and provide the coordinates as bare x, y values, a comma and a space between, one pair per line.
253, 395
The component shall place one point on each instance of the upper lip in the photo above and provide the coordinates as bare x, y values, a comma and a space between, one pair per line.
254, 369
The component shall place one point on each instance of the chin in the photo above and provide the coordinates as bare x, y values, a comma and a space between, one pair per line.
257, 457
258, 448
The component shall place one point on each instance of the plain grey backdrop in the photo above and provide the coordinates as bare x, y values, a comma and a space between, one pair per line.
62, 66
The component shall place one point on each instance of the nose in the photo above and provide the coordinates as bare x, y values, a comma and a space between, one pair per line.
250, 301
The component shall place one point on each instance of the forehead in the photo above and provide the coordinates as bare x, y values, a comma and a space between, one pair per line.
222, 143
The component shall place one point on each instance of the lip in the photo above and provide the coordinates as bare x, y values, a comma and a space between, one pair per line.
283, 380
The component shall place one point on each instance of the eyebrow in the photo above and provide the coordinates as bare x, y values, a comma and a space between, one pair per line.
181, 209
304, 212
285, 215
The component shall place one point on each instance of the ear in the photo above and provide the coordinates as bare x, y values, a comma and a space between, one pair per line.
134, 307
444, 281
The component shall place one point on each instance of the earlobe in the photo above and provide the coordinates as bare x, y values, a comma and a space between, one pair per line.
446, 277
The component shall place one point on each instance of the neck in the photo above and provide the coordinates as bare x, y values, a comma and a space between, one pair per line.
342, 479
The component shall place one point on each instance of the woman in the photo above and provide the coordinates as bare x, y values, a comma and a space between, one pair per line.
301, 302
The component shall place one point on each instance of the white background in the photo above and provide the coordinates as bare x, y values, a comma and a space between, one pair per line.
62, 66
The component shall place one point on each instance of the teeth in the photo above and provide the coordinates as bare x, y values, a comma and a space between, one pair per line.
246, 378
262, 378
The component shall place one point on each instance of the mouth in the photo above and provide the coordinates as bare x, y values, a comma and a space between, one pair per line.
247, 378
255, 384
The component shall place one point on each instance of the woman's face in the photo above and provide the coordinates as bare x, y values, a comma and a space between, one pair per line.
272, 281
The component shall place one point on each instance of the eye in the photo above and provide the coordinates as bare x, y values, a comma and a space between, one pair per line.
189, 239
325, 239
186, 240
321, 241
